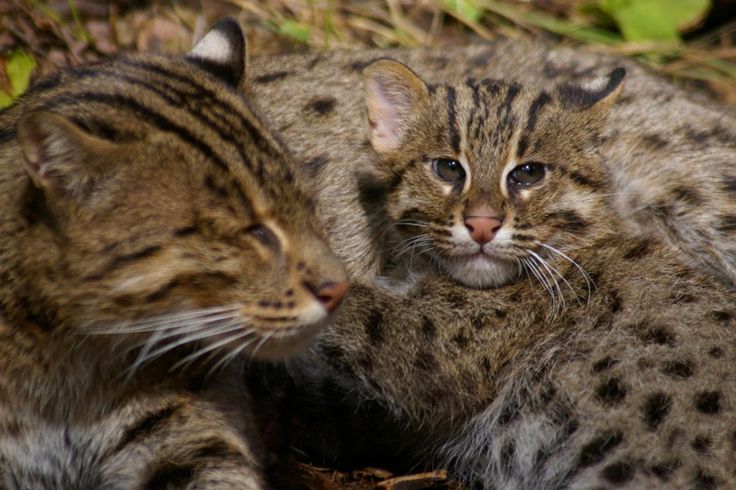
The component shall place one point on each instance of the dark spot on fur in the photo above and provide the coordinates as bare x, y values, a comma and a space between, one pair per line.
594, 451
321, 106
374, 327
721, 316
687, 195
618, 473
611, 392
657, 335
664, 470
500, 313
461, 340
729, 183
425, 361
509, 413
487, 365
508, 451
704, 481
170, 475
604, 364
333, 353
654, 141
656, 408
429, 330
708, 402
185, 231
479, 322
314, 165
726, 223
616, 303
715, 352
678, 369
639, 250
702, 444
567, 220
482, 59
456, 299
272, 77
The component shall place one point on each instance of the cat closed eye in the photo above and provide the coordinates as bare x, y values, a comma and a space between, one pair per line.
527, 174
449, 170
265, 236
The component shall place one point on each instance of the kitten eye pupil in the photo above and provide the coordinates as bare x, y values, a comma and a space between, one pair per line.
527, 174
448, 170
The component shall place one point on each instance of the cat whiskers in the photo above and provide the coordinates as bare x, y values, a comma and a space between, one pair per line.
537, 271
170, 331
588, 280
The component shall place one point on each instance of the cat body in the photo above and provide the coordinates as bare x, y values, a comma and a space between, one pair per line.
602, 356
150, 232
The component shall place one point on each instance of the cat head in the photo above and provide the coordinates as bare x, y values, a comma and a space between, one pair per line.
484, 176
156, 203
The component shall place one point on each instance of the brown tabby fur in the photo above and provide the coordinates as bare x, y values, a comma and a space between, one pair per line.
670, 152
629, 384
150, 227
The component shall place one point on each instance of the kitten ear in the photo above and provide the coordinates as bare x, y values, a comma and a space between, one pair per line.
599, 94
59, 156
222, 52
393, 93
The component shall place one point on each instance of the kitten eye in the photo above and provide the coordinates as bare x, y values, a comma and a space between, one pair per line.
265, 236
448, 170
527, 174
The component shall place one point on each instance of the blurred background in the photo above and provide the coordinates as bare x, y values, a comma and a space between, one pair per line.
693, 41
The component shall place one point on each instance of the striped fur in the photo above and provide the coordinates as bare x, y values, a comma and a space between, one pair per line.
151, 235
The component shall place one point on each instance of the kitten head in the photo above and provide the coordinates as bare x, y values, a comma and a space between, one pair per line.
486, 175
157, 204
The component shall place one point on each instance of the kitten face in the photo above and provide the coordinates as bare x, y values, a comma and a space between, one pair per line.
487, 177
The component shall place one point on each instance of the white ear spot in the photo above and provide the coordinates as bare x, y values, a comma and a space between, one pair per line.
214, 47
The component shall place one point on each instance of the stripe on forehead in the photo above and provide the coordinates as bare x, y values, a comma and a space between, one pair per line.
452, 120
531, 121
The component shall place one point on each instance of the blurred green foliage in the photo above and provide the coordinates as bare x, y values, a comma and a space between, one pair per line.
19, 66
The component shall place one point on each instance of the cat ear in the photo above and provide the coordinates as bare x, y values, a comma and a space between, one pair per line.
222, 52
59, 156
598, 95
393, 93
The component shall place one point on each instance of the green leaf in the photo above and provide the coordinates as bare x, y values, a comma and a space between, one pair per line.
295, 30
465, 8
18, 67
654, 20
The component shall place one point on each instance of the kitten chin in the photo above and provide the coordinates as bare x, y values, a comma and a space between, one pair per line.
480, 272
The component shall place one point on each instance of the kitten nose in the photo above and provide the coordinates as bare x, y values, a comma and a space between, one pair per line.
482, 229
330, 294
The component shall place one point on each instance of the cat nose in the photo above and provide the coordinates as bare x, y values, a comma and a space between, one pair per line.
482, 229
330, 294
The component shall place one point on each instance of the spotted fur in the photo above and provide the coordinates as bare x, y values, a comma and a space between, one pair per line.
151, 230
609, 367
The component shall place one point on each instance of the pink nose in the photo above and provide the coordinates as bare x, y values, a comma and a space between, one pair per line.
482, 229
330, 294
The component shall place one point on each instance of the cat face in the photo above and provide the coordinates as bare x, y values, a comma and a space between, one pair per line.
487, 177
167, 210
